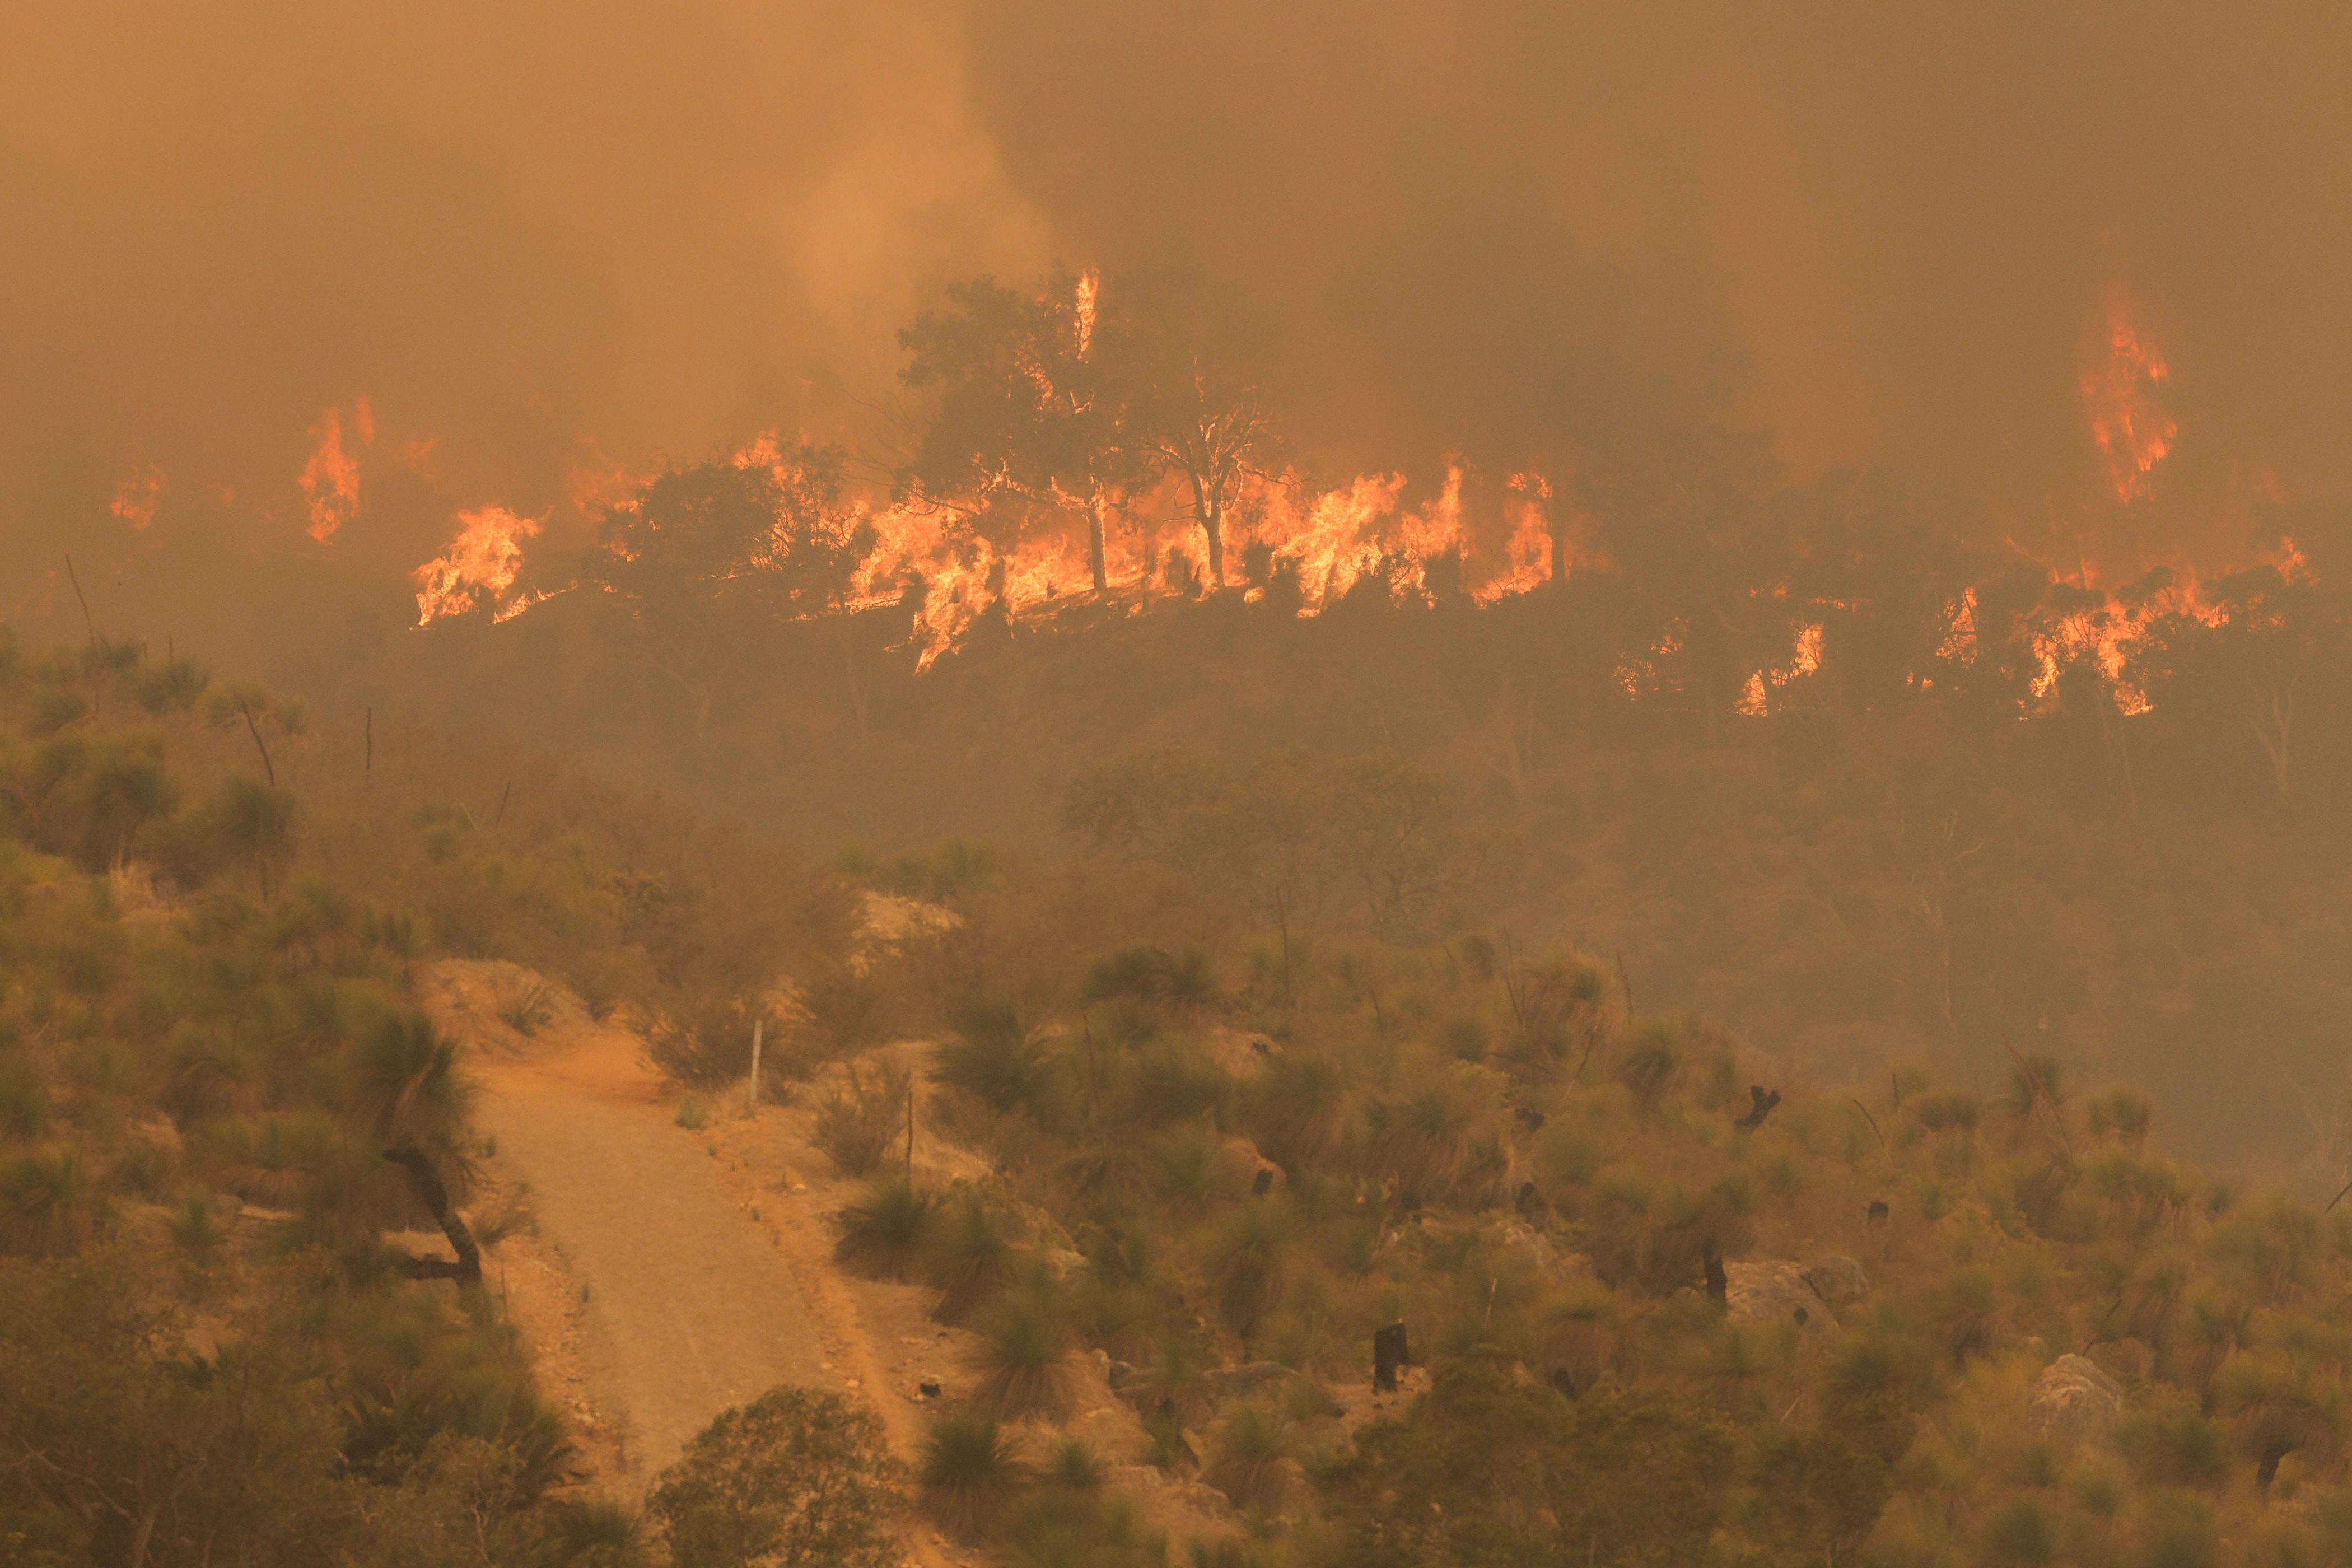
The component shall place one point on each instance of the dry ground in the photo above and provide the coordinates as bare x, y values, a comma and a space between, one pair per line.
666, 1273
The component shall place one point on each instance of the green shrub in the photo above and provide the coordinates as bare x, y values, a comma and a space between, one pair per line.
49, 1204
795, 1477
24, 1099
993, 1058
969, 1474
884, 1236
1022, 1359
972, 1256
862, 1116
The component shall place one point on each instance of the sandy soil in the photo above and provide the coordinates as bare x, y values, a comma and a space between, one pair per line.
664, 1273
678, 1307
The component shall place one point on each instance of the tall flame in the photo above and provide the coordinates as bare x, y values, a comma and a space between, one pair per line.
331, 479
2131, 429
478, 568
1083, 307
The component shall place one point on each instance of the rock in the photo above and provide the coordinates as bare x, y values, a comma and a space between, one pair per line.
1837, 1280
1250, 1380
1771, 1293
2074, 1398
1516, 1236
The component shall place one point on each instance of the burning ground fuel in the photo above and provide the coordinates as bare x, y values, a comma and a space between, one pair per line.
1046, 469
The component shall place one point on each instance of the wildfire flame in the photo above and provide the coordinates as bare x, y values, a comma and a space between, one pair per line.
2131, 429
331, 479
1529, 549
1804, 658
478, 567
136, 498
1083, 308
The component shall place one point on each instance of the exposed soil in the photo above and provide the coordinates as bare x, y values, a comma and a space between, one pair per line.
665, 1273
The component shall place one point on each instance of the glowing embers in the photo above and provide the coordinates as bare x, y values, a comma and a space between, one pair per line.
1804, 658
138, 496
478, 569
2133, 430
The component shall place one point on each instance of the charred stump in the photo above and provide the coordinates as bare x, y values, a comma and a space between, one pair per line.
427, 1182
1390, 1352
1763, 1100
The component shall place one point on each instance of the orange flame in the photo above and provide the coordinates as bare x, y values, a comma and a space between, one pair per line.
136, 498
331, 479
1083, 307
1529, 549
1804, 658
2131, 429
478, 568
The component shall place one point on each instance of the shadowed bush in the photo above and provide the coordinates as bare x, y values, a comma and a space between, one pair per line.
969, 1474
795, 1477
884, 1235
1022, 1359
861, 1117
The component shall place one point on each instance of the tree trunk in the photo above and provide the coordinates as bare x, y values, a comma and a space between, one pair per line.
1095, 557
1212, 525
427, 1181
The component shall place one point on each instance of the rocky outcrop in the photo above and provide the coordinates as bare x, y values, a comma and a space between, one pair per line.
1773, 1292
1782, 1291
2074, 1398
1837, 1280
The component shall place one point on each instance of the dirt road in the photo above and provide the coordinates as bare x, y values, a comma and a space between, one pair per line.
685, 1307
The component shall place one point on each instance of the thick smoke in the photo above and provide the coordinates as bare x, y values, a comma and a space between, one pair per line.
538, 237
1889, 231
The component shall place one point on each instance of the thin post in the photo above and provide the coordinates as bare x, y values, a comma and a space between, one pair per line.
75, 578
757, 1024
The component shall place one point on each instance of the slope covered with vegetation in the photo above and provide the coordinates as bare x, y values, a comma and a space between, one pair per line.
1254, 1084
1675, 1304
216, 1342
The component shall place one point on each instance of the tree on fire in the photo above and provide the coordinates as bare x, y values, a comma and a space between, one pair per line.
1023, 404
703, 558
1190, 353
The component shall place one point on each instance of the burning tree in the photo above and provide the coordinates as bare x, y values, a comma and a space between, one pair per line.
702, 556
1024, 407
1188, 351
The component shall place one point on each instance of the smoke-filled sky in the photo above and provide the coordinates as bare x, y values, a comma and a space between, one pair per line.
543, 234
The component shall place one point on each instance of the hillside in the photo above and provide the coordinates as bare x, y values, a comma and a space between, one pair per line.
1664, 1297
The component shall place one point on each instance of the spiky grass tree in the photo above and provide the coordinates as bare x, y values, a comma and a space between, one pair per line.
969, 1473
883, 1236
1023, 1360
972, 1256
